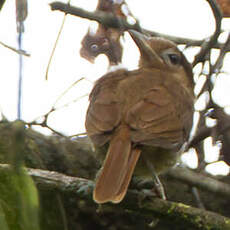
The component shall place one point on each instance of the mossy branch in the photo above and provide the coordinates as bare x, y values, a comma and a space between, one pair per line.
82, 189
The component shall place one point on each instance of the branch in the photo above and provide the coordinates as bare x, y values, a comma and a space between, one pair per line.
76, 158
20, 52
196, 218
117, 22
170, 210
201, 134
213, 40
99, 16
52, 180
204, 131
219, 62
200, 181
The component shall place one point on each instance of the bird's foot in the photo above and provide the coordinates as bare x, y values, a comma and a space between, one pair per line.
85, 188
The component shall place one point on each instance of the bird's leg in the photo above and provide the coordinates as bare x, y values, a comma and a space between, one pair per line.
157, 183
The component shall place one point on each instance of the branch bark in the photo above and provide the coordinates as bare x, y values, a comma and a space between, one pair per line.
82, 189
201, 181
58, 157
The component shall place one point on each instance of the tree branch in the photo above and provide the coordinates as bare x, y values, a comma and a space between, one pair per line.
117, 22
207, 45
82, 189
200, 181
20, 52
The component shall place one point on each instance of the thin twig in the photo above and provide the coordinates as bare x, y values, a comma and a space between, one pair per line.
20, 52
196, 195
66, 90
116, 22
78, 135
55, 46
71, 102
207, 45
219, 62
204, 131
55, 108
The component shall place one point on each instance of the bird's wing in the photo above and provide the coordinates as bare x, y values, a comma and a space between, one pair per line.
155, 119
104, 111
102, 116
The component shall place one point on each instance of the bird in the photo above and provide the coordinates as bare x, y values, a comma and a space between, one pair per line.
143, 116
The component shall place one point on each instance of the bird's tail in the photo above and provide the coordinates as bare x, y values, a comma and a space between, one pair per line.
116, 173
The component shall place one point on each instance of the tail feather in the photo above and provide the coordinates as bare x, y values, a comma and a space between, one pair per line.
116, 173
134, 156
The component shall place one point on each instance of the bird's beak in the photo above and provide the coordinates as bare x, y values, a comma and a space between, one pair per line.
143, 43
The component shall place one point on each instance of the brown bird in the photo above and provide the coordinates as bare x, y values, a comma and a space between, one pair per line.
148, 110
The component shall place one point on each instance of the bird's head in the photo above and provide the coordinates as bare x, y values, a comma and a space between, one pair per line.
159, 53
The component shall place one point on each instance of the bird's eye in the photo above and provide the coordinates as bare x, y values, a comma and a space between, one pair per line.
175, 59
94, 47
